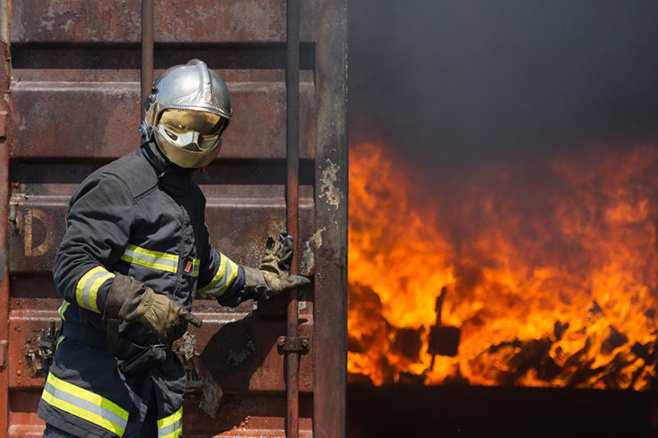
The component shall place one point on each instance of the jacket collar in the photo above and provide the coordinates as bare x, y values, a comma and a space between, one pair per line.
174, 179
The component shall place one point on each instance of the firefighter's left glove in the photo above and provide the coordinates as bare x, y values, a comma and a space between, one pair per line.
272, 277
262, 285
131, 300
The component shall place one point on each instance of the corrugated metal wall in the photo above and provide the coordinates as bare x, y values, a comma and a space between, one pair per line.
71, 87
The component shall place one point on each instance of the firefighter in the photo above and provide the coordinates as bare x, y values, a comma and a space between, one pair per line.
136, 249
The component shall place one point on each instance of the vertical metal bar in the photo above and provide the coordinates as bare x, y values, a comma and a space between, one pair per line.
4, 275
330, 199
147, 51
292, 202
5, 131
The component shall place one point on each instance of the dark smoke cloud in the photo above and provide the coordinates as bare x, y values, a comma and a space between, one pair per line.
464, 81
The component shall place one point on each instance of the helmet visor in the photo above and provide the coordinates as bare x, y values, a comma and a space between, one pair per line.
180, 121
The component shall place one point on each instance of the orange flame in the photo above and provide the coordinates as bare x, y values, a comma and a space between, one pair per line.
550, 270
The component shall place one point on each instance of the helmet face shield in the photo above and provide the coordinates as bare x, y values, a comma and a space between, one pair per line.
180, 121
189, 138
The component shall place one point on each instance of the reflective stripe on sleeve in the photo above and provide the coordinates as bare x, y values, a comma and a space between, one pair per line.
85, 404
86, 290
161, 261
224, 277
171, 426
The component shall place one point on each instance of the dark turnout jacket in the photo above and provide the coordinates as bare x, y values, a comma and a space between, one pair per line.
139, 217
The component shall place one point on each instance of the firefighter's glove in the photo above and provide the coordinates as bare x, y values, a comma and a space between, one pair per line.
131, 300
263, 285
272, 277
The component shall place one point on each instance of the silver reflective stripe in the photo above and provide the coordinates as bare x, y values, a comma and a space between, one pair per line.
85, 405
86, 291
171, 430
171, 426
88, 287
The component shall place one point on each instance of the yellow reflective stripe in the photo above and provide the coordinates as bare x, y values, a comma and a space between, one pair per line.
161, 261
218, 276
86, 290
82, 413
60, 339
171, 426
226, 274
85, 404
62, 309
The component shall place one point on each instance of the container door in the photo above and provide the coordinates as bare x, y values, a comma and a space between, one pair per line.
71, 83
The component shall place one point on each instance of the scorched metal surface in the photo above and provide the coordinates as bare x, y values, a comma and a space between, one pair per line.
71, 82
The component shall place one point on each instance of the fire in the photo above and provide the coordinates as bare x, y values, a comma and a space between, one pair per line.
549, 272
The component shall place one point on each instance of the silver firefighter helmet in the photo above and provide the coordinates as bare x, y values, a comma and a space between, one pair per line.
187, 112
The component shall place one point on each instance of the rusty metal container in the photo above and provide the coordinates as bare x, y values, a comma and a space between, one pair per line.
70, 79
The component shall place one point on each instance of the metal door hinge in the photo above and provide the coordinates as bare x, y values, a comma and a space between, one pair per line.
3, 124
286, 344
4, 348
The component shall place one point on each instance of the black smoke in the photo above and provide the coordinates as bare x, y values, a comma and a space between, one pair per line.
449, 83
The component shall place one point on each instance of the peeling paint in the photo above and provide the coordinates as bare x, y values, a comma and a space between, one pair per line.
329, 188
68, 25
211, 396
4, 21
302, 300
48, 25
308, 255
187, 349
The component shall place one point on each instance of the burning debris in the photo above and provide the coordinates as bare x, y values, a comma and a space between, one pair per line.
534, 362
443, 340
548, 285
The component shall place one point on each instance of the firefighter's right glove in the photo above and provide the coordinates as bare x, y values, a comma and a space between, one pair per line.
131, 300
272, 277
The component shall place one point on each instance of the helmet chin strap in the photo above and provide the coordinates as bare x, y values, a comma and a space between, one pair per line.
157, 152
153, 146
